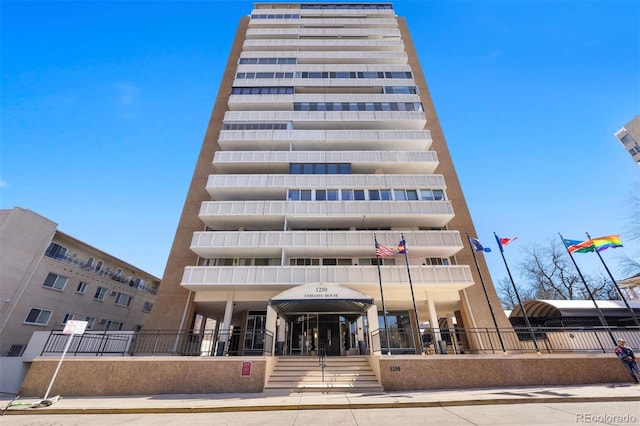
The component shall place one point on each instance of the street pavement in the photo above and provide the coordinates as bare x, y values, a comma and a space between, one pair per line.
607, 403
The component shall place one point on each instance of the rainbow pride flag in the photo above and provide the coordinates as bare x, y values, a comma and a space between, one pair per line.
608, 241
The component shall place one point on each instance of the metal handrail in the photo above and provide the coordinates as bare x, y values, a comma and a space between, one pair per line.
322, 358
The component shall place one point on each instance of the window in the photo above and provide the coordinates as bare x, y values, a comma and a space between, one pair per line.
55, 281
358, 194
147, 307
98, 265
374, 194
100, 293
56, 251
38, 316
82, 287
123, 299
91, 322
89, 262
113, 325
67, 317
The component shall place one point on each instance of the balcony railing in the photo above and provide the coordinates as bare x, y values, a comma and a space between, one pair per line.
90, 267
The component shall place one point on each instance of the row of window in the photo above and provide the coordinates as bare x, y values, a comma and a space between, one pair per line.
262, 91
319, 169
268, 61
256, 126
325, 74
284, 90
313, 261
275, 16
40, 316
345, 6
365, 195
58, 282
357, 106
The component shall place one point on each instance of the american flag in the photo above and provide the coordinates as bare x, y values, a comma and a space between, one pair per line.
384, 252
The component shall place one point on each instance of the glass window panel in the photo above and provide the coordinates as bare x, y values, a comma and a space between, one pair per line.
358, 194
385, 194
426, 194
332, 169
332, 194
294, 195
307, 169
321, 169
347, 194
374, 194
321, 195
344, 169
412, 194
305, 195
400, 194
438, 194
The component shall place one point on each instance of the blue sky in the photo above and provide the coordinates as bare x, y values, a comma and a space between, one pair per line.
104, 106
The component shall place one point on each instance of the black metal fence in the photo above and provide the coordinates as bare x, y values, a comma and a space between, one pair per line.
401, 341
493, 341
162, 342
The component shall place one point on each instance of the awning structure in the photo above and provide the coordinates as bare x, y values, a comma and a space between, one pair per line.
575, 308
320, 297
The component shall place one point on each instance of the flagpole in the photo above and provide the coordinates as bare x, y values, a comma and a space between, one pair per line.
603, 320
384, 309
484, 288
413, 298
524, 311
633, 315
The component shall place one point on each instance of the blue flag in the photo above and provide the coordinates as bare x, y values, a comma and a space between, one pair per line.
477, 246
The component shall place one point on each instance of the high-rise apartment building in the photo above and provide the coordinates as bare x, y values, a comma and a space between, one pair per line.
324, 138
629, 137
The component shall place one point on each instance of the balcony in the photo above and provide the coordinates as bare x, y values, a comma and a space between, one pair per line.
362, 162
362, 278
268, 33
275, 187
335, 120
285, 102
364, 45
325, 140
233, 215
334, 57
324, 22
357, 244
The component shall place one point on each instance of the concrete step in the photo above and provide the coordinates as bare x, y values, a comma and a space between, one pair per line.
341, 374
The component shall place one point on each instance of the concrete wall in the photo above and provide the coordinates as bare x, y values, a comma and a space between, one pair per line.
143, 376
12, 372
194, 375
463, 371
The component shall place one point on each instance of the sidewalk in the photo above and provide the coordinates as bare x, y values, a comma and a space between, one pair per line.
286, 400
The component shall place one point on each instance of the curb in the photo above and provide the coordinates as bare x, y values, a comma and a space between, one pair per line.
347, 406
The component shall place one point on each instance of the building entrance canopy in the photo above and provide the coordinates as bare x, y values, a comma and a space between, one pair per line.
320, 297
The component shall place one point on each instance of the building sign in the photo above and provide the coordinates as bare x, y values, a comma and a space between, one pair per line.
246, 369
325, 291
75, 327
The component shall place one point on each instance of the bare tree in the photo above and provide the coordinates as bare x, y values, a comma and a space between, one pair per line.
507, 293
551, 275
630, 264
